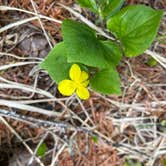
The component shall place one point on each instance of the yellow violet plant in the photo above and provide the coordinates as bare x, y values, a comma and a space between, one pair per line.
133, 27
78, 83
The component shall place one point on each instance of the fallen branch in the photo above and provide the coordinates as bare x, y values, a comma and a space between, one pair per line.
41, 123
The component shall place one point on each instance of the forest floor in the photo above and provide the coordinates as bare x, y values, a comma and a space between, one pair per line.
128, 129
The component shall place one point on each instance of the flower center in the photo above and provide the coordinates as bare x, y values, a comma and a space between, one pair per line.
77, 84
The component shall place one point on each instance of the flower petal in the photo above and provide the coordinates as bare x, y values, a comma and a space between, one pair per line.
85, 83
84, 76
66, 87
82, 93
75, 72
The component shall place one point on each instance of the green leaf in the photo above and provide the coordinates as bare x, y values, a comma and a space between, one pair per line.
136, 27
162, 126
56, 63
163, 162
109, 7
90, 4
163, 123
83, 46
41, 150
95, 139
152, 62
132, 163
106, 81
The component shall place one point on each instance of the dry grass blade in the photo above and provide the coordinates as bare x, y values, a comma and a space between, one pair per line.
41, 24
42, 100
18, 57
57, 155
4, 67
26, 87
23, 88
29, 108
86, 21
36, 149
161, 60
9, 26
136, 106
4, 8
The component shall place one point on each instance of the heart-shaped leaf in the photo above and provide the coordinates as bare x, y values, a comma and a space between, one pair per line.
83, 46
136, 27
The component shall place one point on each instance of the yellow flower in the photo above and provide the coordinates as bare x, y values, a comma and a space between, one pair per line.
78, 83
